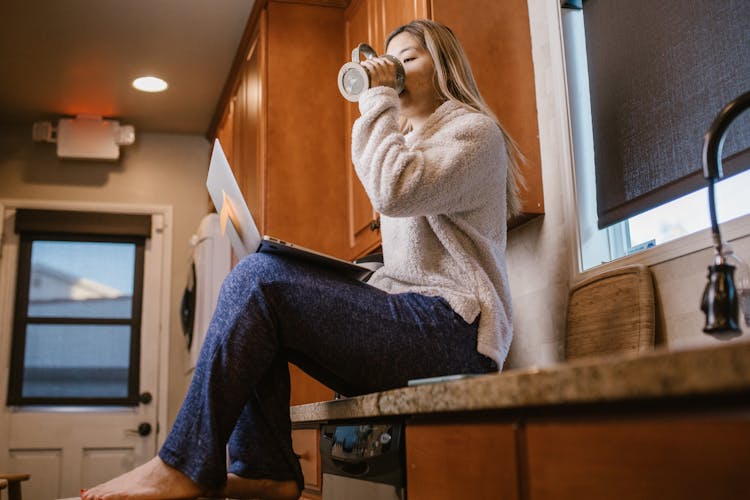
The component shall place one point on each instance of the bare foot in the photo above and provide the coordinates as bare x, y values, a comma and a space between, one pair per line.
265, 489
153, 480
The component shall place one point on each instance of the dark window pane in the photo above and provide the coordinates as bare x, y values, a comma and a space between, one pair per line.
74, 279
76, 361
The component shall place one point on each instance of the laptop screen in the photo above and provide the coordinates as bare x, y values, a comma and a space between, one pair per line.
236, 221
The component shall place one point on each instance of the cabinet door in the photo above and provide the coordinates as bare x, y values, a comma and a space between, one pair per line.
305, 188
359, 26
461, 460
395, 13
646, 458
497, 40
248, 155
369, 21
306, 444
225, 131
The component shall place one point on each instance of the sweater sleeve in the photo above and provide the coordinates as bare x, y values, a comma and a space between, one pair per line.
444, 171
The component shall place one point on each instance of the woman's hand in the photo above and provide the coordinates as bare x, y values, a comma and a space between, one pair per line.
382, 71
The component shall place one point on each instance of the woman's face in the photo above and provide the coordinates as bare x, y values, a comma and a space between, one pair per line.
420, 97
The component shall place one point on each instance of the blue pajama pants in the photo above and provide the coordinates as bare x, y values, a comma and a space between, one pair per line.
352, 337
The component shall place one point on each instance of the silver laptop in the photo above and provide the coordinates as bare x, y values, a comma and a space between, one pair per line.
238, 225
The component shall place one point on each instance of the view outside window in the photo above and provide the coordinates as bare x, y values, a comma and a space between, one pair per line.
79, 319
689, 213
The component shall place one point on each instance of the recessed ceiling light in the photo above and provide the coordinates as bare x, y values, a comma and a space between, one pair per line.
150, 84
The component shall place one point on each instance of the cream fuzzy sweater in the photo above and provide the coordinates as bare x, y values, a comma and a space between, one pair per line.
441, 195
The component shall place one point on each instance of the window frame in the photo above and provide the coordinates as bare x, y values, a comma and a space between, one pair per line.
21, 320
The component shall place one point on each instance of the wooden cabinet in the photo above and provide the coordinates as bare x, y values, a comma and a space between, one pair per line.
285, 121
306, 389
282, 125
248, 138
395, 13
363, 236
689, 456
368, 21
659, 455
306, 444
497, 39
305, 191
461, 460
241, 129
290, 130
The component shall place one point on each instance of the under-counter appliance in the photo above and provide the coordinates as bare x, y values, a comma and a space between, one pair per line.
363, 461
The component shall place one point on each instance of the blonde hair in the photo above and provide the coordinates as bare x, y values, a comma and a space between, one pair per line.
455, 82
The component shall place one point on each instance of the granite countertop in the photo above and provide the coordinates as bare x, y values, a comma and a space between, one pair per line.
662, 373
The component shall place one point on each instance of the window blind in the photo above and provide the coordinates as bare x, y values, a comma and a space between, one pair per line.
61, 221
659, 73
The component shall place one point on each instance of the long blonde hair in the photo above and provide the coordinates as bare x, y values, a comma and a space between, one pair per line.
455, 82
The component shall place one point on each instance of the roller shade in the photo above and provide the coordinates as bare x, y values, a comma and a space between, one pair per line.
61, 221
659, 72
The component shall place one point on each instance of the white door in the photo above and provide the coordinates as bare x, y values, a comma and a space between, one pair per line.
68, 448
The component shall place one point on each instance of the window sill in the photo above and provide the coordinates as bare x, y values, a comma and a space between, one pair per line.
702, 240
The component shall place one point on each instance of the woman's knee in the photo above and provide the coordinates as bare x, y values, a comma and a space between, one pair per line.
248, 289
253, 273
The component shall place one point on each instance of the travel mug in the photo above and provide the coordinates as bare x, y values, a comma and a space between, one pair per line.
353, 77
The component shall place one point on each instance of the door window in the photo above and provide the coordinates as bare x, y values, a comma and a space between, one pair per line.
76, 336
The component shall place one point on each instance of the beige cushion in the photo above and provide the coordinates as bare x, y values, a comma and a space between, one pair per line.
613, 312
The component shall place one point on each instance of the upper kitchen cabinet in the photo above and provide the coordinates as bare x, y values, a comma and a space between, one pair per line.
497, 39
368, 21
281, 120
287, 131
362, 227
287, 122
246, 124
304, 187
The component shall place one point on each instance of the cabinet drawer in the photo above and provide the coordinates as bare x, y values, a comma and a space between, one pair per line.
474, 460
646, 458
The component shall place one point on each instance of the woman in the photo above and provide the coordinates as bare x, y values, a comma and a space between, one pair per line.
435, 164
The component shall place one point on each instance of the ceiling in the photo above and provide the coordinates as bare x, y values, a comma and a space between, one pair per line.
67, 57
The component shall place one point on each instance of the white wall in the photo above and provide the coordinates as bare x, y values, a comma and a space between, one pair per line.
542, 254
163, 169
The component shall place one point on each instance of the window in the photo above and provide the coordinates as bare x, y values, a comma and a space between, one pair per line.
76, 330
645, 220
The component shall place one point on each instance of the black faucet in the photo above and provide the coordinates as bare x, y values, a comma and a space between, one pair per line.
720, 302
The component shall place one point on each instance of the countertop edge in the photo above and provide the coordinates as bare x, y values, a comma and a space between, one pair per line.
659, 374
